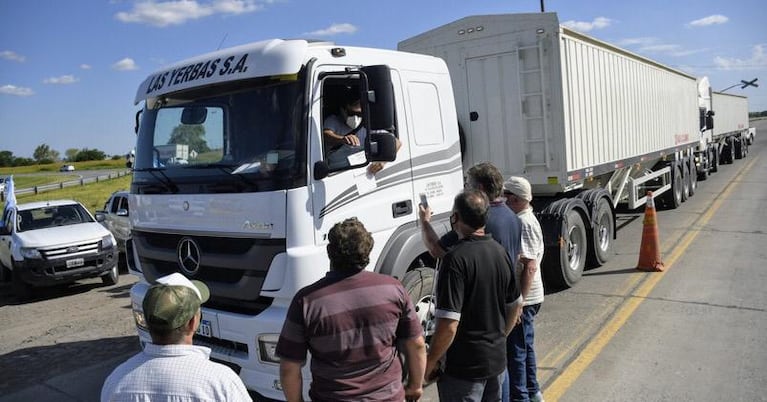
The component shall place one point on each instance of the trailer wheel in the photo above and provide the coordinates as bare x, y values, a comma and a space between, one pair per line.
714, 155
740, 149
672, 199
685, 181
693, 179
602, 234
565, 264
728, 152
419, 284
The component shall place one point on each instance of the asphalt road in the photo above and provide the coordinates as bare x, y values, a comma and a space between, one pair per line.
692, 333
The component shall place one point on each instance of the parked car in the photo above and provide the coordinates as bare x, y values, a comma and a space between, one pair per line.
47, 243
115, 218
67, 168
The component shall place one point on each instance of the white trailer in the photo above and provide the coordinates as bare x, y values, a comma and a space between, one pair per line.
589, 124
731, 130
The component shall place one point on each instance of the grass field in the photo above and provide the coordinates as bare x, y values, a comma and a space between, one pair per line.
91, 195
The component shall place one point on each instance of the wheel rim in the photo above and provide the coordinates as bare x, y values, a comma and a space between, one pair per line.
424, 309
603, 233
574, 245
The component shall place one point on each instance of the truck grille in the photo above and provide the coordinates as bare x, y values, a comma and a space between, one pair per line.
70, 251
233, 268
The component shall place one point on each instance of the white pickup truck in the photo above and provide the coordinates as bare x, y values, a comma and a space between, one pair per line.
48, 243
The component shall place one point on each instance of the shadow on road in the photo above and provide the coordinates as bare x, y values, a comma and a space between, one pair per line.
26, 367
8, 298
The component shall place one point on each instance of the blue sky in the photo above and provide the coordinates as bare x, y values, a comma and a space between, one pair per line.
69, 69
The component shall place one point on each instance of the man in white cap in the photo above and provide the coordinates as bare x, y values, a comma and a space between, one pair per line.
171, 368
523, 383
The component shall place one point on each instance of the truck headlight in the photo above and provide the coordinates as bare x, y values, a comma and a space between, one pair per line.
107, 242
267, 348
30, 253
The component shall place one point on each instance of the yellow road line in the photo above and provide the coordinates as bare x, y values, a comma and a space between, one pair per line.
574, 370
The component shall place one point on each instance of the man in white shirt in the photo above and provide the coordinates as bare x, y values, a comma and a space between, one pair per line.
523, 382
171, 368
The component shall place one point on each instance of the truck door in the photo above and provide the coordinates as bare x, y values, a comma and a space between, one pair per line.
507, 122
382, 202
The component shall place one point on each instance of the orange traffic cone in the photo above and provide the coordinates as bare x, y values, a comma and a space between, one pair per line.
649, 252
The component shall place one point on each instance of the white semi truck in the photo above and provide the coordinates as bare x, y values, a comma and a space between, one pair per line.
591, 125
725, 131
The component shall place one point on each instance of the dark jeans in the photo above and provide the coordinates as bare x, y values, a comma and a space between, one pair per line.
520, 357
452, 389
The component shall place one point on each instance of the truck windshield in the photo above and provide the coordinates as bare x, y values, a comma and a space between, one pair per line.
232, 138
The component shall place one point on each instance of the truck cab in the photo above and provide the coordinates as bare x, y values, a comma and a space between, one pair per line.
249, 211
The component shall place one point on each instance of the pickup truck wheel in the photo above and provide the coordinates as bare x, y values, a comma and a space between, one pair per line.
22, 289
111, 277
5, 273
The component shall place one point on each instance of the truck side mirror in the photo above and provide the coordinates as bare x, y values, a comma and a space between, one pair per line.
383, 147
194, 115
321, 170
378, 96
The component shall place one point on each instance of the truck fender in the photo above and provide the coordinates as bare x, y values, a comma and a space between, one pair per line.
553, 216
591, 199
406, 246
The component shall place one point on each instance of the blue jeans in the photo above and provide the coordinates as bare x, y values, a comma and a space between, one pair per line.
452, 389
521, 383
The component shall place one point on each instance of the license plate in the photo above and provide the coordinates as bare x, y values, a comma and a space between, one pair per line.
204, 329
76, 262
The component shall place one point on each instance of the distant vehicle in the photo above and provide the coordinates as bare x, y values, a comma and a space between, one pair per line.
47, 243
67, 168
2, 187
115, 218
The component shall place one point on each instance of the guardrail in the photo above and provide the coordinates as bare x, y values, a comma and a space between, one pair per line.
72, 183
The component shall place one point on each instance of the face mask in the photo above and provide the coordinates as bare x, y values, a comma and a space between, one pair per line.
353, 121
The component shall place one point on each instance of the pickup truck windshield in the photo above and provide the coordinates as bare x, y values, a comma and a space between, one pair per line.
47, 217
242, 138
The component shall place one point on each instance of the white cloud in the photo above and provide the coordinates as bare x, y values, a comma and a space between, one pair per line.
710, 20
585, 26
177, 12
758, 60
125, 64
334, 29
642, 41
85, 66
63, 80
16, 91
11, 55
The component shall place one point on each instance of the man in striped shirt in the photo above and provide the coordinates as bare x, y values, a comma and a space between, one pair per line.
352, 322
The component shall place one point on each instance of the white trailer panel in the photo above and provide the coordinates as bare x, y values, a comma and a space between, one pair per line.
557, 106
730, 113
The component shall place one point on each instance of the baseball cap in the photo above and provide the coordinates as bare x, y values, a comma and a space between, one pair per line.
518, 186
172, 301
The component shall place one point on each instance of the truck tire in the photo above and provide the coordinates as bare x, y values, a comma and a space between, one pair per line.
111, 277
685, 182
419, 284
563, 265
22, 289
740, 148
714, 155
601, 234
728, 152
673, 199
693, 177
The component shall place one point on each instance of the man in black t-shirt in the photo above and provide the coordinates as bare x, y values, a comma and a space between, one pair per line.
474, 288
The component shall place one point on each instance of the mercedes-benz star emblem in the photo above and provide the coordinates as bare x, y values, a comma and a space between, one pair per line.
188, 253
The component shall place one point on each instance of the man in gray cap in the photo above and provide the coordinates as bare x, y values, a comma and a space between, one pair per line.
523, 383
171, 368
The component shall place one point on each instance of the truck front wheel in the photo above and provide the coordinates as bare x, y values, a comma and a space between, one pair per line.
419, 284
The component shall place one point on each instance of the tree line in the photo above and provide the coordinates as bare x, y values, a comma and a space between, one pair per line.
44, 155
